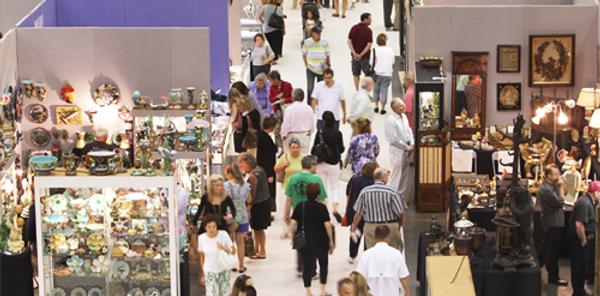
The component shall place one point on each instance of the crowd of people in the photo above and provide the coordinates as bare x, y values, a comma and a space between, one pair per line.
291, 137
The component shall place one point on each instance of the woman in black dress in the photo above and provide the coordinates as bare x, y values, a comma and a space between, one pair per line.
260, 205
266, 156
216, 202
313, 218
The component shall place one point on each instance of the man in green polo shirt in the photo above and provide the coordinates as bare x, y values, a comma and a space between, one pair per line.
295, 190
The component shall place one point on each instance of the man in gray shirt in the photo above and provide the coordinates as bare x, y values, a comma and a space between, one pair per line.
551, 196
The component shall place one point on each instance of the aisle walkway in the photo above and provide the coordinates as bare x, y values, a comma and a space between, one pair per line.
277, 273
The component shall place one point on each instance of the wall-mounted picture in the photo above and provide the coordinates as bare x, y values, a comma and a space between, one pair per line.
552, 60
68, 115
508, 59
509, 97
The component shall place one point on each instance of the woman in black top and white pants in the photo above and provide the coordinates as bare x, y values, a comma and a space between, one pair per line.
313, 217
329, 158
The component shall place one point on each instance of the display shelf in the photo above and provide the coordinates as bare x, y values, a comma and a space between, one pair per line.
162, 112
112, 198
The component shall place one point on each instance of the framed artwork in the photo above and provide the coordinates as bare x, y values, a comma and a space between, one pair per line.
551, 60
508, 59
508, 97
68, 115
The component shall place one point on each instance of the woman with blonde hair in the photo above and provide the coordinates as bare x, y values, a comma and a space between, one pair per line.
245, 118
364, 147
362, 287
215, 201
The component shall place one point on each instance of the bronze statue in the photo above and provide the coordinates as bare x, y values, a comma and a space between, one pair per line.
515, 217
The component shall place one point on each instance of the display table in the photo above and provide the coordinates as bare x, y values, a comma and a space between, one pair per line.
488, 280
17, 270
441, 271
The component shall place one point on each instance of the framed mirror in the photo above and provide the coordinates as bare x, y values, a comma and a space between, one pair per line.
469, 71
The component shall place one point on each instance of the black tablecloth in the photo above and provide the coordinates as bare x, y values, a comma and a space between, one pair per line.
489, 280
17, 274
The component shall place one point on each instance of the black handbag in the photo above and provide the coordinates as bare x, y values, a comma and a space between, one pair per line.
300, 236
250, 140
321, 150
276, 21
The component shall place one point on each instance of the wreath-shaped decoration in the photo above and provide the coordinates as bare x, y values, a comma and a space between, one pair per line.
106, 94
546, 65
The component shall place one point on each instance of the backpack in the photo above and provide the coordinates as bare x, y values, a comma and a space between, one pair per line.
321, 150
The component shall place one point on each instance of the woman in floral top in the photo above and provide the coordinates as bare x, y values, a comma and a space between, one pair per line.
364, 147
239, 191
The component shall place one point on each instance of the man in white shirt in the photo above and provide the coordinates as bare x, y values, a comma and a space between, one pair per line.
384, 267
298, 121
328, 95
360, 106
402, 144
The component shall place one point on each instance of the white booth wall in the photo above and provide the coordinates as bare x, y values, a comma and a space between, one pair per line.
12, 11
439, 30
8, 58
151, 60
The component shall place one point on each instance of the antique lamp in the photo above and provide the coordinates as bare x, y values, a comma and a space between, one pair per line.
560, 117
595, 120
588, 99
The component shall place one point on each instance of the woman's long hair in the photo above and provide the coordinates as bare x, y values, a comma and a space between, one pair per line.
362, 287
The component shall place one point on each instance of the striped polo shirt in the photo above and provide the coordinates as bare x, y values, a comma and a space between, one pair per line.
316, 53
379, 203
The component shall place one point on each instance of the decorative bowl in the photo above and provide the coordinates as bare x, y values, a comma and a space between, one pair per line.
43, 165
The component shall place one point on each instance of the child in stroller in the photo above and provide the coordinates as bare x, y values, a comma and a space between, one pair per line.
310, 17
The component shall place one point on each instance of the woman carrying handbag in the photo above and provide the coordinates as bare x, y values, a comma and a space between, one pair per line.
313, 237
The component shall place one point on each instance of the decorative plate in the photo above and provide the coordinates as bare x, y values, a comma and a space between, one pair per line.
124, 113
79, 291
135, 292
57, 292
77, 203
152, 292
55, 219
96, 203
94, 227
106, 94
37, 113
57, 203
40, 137
95, 292
120, 270
562, 155
166, 292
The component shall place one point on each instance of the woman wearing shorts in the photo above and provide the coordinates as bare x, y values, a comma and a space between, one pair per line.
239, 191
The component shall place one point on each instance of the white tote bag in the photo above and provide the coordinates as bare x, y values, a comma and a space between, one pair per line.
226, 261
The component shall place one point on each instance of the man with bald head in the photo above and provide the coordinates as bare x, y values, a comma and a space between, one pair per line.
360, 105
402, 144
379, 204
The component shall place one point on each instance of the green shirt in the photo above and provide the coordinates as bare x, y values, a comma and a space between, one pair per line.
297, 185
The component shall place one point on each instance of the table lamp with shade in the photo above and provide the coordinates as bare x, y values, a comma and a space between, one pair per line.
588, 99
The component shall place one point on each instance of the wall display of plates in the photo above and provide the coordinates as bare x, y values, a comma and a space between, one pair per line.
40, 137
95, 292
106, 95
79, 291
37, 113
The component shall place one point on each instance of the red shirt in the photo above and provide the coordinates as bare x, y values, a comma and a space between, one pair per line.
284, 87
360, 35
409, 97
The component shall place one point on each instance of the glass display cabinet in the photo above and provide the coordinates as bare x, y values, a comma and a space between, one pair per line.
433, 150
107, 235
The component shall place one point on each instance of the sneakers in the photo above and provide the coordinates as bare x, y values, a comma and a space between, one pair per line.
376, 110
383, 112
350, 260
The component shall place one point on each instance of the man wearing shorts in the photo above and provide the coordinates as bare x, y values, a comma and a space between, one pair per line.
360, 39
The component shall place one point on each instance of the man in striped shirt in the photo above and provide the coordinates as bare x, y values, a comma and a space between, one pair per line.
315, 51
380, 204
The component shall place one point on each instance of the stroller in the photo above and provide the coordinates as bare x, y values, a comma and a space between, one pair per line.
310, 5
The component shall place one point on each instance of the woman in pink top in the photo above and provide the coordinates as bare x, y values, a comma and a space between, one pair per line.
409, 97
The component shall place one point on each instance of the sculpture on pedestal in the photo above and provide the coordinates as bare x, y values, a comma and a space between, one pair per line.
515, 217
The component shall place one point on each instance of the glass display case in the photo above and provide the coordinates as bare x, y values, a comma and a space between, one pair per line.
433, 150
107, 235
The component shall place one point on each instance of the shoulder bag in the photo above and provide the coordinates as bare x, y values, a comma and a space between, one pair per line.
300, 236
250, 140
321, 150
372, 70
281, 175
226, 261
276, 21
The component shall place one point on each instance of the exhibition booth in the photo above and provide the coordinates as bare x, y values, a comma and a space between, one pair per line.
81, 73
501, 91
